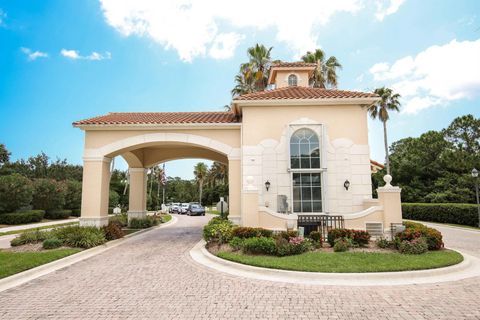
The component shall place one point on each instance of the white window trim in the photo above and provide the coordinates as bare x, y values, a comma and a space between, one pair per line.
320, 130
295, 74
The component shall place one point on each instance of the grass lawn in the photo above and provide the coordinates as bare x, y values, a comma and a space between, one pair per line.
166, 218
40, 228
15, 262
349, 261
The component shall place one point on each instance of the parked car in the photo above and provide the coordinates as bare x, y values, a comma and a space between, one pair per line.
183, 208
174, 208
195, 210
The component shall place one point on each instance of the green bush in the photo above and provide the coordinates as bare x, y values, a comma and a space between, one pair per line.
15, 192
342, 244
287, 234
358, 237
54, 214
113, 230
218, 230
415, 246
121, 218
22, 217
384, 243
316, 236
76, 213
48, 194
31, 236
295, 245
236, 243
414, 230
142, 223
456, 213
52, 243
80, 237
260, 245
73, 194
249, 232
361, 237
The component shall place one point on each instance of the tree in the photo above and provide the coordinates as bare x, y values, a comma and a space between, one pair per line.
15, 192
325, 73
48, 194
389, 101
253, 75
200, 172
4, 154
73, 194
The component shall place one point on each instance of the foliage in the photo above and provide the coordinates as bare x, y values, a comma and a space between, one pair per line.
15, 192
80, 237
383, 243
415, 231
436, 167
415, 246
113, 230
342, 244
121, 219
200, 172
325, 74
76, 212
48, 194
465, 214
249, 232
73, 194
236, 243
57, 214
218, 230
288, 234
361, 237
143, 223
261, 245
113, 199
52, 243
337, 234
22, 217
4, 154
32, 236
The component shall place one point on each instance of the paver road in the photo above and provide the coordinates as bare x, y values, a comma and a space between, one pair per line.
151, 276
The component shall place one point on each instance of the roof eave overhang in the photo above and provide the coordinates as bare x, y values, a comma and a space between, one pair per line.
307, 102
153, 126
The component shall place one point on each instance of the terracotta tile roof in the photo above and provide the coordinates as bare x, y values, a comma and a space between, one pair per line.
298, 64
288, 93
160, 118
378, 164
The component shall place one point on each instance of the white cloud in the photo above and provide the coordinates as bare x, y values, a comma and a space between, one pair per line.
386, 8
33, 55
3, 16
215, 27
74, 54
435, 76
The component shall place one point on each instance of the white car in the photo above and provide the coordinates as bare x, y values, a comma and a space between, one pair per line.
183, 208
174, 208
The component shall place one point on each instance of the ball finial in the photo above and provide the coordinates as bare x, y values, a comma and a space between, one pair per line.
387, 178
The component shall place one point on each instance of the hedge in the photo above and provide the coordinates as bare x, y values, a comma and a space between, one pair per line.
58, 214
456, 213
22, 217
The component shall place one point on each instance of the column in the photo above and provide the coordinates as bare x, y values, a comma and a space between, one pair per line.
250, 204
234, 190
137, 197
390, 199
95, 191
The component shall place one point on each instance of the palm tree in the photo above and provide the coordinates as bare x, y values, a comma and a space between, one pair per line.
253, 75
218, 172
200, 172
325, 74
389, 101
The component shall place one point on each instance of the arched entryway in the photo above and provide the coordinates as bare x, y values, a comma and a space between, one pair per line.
142, 151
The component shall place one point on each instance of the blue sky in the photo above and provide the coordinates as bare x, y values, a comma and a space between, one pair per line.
62, 61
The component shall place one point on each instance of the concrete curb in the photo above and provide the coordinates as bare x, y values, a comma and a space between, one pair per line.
469, 267
34, 273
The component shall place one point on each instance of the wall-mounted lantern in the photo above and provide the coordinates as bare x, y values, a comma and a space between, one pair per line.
346, 184
267, 185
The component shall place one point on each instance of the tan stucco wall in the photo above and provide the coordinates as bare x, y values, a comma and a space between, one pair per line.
281, 79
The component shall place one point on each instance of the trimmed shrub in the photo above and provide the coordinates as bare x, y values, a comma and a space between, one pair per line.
413, 231
457, 213
236, 243
416, 246
121, 218
52, 243
16, 192
316, 236
384, 243
142, 223
80, 237
361, 237
32, 236
57, 214
342, 244
76, 213
73, 194
261, 245
218, 230
48, 194
288, 234
248, 232
113, 230
335, 234
22, 217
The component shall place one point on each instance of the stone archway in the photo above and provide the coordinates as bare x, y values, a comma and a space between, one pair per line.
142, 151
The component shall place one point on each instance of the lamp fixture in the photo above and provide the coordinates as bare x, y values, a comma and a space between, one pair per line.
346, 184
267, 185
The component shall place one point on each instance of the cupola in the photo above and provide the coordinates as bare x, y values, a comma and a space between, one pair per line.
290, 74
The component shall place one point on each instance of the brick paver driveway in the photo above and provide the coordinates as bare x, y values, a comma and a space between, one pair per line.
151, 276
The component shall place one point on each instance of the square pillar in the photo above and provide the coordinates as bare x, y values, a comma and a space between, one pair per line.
390, 199
137, 197
250, 197
234, 190
95, 191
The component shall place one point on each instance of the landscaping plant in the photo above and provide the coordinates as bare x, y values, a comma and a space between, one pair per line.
113, 230
15, 192
415, 246
143, 223
52, 243
22, 217
57, 214
218, 230
48, 194
261, 245
32, 236
249, 232
80, 237
342, 244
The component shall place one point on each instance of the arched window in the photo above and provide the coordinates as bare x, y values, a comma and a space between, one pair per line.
306, 171
292, 80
